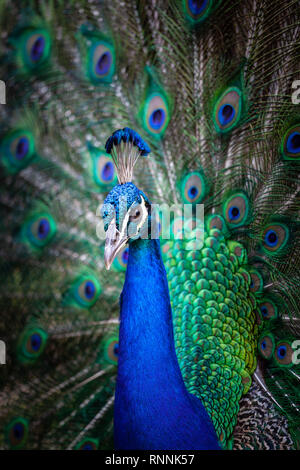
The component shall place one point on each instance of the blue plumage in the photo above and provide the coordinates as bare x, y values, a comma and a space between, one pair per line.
153, 409
127, 135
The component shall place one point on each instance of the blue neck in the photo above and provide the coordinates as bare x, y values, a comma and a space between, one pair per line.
153, 409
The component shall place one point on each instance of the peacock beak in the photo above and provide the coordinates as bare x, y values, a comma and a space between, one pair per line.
114, 242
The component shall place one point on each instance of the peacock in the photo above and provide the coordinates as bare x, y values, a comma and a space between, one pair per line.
127, 323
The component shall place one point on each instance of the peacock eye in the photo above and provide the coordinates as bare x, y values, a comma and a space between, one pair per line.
256, 281
89, 290
266, 346
88, 444
290, 146
268, 309
17, 149
121, 260
197, 10
31, 345
39, 230
193, 187
85, 291
34, 47
156, 114
102, 168
236, 209
101, 62
34, 342
275, 237
215, 221
37, 48
112, 350
283, 354
17, 432
228, 110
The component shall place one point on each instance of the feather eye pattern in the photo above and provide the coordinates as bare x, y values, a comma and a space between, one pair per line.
215, 221
17, 150
84, 291
32, 48
256, 281
266, 345
290, 145
197, 11
277, 349
16, 433
227, 110
268, 308
275, 237
31, 345
103, 169
111, 350
236, 209
38, 230
155, 111
193, 187
283, 354
121, 260
100, 56
88, 444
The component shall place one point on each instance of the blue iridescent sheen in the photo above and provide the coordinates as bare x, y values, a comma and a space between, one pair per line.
157, 118
263, 345
197, 6
127, 135
44, 228
293, 143
104, 63
37, 49
22, 148
125, 256
234, 213
116, 349
264, 311
108, 171
281, 352
226, 114
89, 290
18, 430
35, 342
271, 238
193, 192
87, 447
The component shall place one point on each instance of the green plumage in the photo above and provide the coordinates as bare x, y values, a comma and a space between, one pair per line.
210, 92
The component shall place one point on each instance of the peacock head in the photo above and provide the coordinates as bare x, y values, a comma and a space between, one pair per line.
126, 211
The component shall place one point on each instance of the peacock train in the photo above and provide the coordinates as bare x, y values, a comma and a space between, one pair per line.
110, 337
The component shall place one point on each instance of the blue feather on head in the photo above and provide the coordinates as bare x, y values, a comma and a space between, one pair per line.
126, 146
126, 210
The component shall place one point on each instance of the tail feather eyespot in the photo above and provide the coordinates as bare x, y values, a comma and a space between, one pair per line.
236, 209
266, 345
228, 109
